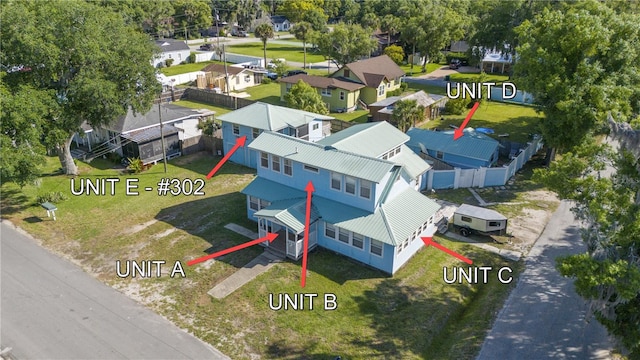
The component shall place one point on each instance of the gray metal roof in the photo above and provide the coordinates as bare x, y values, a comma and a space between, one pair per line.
270, 117
271, 190
407, 211
411, 163
170, 113
369, 139
290, 213
472, 145
479, 212
168, 45
149, 134
316, 155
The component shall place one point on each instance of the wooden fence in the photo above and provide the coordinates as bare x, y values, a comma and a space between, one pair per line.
213, 98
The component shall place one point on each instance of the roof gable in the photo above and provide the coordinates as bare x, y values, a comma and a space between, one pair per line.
373, 70
472, 145
136, 121
369, 139
271, 117
169, 45
323, 82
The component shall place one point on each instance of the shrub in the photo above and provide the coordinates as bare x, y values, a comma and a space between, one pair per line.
114, 157
52, 197
135, 165
266, 80
168, 62
457, 106
192, 58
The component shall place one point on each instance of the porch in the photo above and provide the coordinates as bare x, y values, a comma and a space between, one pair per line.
289, 243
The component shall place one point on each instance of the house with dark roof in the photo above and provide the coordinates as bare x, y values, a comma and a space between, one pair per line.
240, 77
379, 75
138, 135
471, 151
280, 23
383, 110
340, 95
252, 120
177, 50
366, 204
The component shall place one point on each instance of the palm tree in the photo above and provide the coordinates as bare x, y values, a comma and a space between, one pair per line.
302, 31
264, 32
407, 113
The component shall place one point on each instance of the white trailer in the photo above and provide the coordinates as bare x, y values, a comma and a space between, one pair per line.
469, 218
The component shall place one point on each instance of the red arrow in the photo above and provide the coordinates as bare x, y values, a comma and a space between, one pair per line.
270, 237
429, 241
457, 134
309, 189
239, 143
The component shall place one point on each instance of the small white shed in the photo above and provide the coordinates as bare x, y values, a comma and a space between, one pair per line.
474, 218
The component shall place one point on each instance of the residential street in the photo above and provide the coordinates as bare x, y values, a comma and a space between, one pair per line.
543, 317
52, 309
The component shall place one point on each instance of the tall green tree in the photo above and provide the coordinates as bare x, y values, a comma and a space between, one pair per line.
295, 10
192, 15
302, 31
346, 43
579, 62
302, 96
85, 58
407, 113
264, 32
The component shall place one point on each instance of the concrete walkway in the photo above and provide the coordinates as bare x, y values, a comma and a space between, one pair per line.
507, 254
248, 272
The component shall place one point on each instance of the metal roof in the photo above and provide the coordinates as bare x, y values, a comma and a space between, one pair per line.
369, 139
479, 213
411, 163
170, 113
407, 211
168, 45
271, 190
270, 117
472, 145
328, 158
149, 134
290, 213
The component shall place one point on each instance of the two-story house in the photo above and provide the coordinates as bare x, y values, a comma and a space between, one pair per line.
252, 120
366, 203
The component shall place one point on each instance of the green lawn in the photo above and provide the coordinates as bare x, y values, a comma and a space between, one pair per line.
412, 315
269, 93
358, 116
276, 51
199, 105
417, 69
186, 68
430, 89
467, 78
516, 120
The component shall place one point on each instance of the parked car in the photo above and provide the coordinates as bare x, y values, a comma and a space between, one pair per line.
455, 64
272, 75
206, 47
295, 72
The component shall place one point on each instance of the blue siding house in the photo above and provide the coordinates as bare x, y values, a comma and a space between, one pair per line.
366, 203
471, 151
252, 120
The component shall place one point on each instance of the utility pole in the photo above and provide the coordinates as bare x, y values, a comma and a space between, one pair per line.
226, 73
164, 153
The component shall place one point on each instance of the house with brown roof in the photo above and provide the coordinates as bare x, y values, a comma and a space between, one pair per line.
433, 104
240, 77
379, 75
340, 95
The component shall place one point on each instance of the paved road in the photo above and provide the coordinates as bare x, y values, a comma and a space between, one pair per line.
51, 309
544, 318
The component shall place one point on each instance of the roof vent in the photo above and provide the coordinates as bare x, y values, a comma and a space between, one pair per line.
296, 149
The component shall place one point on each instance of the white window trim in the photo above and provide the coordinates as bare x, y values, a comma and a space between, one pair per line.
325, 92
233, 129
360, 189
284, 167
274, 162
355, 186
335, 232
261, 158
363, 241
315, 171
381, 248
331, 181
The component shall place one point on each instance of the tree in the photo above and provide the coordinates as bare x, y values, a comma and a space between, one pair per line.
608, 274
578, 65
264, 32
407, 113
91, 65
192, 15
390, 24
346, 43
302, 96
294, 10
395, 52
279, 67
302, 32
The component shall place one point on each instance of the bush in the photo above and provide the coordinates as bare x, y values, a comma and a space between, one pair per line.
266, 80
114, 157
457, 106
438, 58
52, 197
168, 62
135, 165
463, 57
192, 58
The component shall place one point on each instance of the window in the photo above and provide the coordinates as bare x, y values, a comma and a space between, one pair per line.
275, 163
236, 130
336, 181
316, 126
311, 168
287, 166
329, 231
358, 240
465, 219
254, 203
264, 203
343, 235
388, 85
439, 154
247, 78
376, 247
341, 95
365, 189
347, 73
494, 223
255, 132
264, 160
325, 92
350, 185
397, 151
288, 87
381, 90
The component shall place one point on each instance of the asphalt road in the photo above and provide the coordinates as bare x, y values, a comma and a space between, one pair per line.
543, 317
51, 309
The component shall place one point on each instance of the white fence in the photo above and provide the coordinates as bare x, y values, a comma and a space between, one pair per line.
184, 78
481, 177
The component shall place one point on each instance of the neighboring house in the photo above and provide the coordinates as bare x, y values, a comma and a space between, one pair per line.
366, 203
280, 23
339, 95
383, 39
383, 110
137, 135
252, 120
471, 151
378, 74
240, 77
495, 61
177, 50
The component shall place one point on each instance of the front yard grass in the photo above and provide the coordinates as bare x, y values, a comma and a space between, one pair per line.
474, 77
268, 93
186, 68
276, 51
200, 105
417, 69
411, 315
